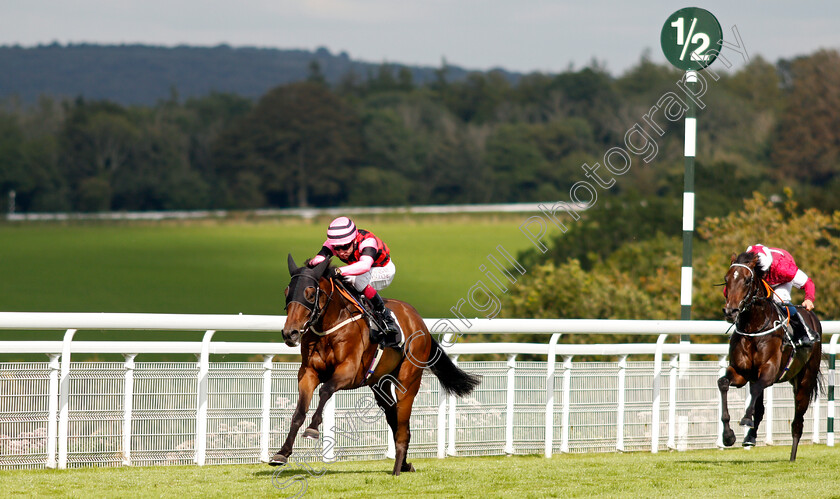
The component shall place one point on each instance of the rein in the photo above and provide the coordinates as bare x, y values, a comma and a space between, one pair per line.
318, 312
752, 298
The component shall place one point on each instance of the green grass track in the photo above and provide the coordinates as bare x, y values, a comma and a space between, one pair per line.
760, 472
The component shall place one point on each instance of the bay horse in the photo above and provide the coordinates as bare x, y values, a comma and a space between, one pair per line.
336, 352
758, 353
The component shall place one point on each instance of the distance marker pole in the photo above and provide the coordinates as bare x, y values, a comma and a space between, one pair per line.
688, 38
688, 214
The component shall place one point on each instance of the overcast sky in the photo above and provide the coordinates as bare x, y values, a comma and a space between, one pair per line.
518, 35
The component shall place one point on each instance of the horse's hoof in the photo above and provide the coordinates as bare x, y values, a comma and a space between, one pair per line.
729, 438
408, 467
747, 422
312, 433
278, 460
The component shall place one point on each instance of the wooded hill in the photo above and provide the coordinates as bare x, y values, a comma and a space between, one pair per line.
389, 140
142, 74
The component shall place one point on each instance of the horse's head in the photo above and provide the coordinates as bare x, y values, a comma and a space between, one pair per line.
305, 300
742, 281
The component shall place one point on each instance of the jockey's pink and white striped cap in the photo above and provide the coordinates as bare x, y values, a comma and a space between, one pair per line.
765, 257
341, 231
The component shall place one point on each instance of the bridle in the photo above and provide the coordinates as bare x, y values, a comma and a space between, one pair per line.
750, 297
316, 312
747, 302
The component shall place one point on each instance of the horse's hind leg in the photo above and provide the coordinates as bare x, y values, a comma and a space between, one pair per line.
307, 381
802, 398
389, 407
749, 438
402, 435
805, 385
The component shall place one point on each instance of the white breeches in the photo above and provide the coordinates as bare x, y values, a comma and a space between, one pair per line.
378, 277
782, 292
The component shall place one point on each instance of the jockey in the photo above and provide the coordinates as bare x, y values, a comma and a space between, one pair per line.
781, 273
369, 268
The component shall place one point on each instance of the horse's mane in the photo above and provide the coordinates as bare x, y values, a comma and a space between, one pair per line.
750, 258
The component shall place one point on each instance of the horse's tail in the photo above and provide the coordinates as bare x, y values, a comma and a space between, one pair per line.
818, 388
453, 380
819, 383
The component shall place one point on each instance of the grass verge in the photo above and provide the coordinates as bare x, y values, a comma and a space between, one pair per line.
760, 472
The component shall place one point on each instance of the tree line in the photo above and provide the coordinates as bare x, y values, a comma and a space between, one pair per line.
386, 140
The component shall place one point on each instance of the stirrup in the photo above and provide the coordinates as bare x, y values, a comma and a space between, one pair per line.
804, 341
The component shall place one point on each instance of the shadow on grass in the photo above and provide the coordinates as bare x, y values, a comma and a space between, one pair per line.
290, 472
728, 462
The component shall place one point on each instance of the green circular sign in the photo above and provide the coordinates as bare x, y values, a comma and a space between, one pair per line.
691, 38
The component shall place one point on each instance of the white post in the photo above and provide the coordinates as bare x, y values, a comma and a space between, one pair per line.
450, 450
442, 398
567, 396
52, 417
832, 384
265, 422
441, 433
128, 406
511, 399
391, 450
657, 383
723, 364
64, 402
672, 402
549, 394
328, 425
619, 417
768, 415
747, 399
203, 387
816, 404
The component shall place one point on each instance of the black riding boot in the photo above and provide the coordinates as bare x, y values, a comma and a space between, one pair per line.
802, 334
390, 338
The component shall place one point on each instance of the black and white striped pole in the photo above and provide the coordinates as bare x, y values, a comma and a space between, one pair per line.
687, 41
688, 202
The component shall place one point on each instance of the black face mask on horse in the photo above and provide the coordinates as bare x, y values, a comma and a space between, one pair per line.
337, 353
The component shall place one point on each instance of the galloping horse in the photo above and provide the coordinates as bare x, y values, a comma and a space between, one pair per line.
336, 350
759, 354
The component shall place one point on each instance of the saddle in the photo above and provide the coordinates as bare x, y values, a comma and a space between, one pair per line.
798, 356
365, 308
376, 328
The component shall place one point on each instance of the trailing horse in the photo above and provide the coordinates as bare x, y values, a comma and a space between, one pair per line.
759, 354
336, 352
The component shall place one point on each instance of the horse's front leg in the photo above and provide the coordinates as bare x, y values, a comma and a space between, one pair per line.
342, 378
307, 381
724, 382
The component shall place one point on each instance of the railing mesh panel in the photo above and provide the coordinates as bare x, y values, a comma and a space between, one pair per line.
24, 406
164, 411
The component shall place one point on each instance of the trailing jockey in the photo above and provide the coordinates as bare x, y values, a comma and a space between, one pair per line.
369, 268
781, 273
